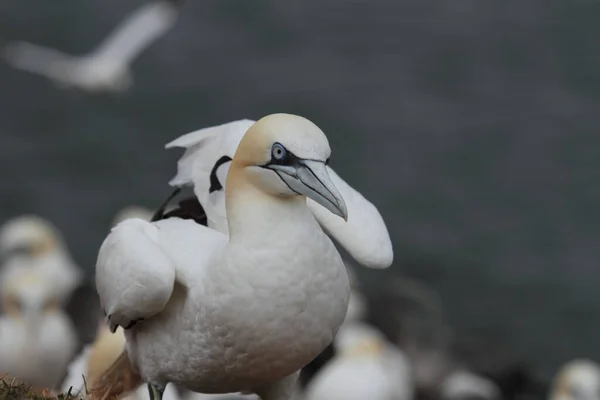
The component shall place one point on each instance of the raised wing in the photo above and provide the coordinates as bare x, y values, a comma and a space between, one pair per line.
138, 31
134, 276
205, 164
37, 59
364, 235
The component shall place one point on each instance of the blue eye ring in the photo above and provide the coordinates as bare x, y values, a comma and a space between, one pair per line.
278, 152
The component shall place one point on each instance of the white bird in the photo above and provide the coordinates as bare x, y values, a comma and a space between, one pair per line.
366, 366
85, 370
207, 158
30, 242
578, 379
37, 339
242, 312
132, 212
106, 68
463, 384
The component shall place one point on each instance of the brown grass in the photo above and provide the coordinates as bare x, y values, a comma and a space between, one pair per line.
10, 389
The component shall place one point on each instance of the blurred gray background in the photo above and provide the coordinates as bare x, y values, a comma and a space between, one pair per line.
472, 125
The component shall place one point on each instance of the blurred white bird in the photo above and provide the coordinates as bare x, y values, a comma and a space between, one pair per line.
366, 366
37, 339
577, 379
132, 212
106, 68
30, 242
206, 161
241, 312
462, 384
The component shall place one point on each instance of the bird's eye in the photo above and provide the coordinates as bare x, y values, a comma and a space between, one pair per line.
278, 152
327, 161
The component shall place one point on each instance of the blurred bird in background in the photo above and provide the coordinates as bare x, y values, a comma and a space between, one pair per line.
37, 340
365, 366
106, 68
33, 244
577, 379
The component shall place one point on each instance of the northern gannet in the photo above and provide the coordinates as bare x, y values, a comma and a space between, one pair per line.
366, 366
462, 384
243, 312
33, 243
577, 379
107, 67
204, 165
37, 339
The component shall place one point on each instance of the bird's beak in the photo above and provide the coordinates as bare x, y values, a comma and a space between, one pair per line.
310, 178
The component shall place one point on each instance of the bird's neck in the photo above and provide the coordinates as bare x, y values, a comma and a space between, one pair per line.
252, 213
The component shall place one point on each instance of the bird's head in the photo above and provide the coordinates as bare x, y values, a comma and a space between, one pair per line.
578, 380
28, 237
286, 156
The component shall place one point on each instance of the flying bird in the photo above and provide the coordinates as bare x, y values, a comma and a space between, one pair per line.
37, 339
237, 312
107, 67
205, 164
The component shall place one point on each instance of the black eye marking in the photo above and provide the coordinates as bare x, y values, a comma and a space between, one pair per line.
214, 181
278, 152
327, 161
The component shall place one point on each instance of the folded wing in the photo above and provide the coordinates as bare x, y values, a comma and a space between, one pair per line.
134, 276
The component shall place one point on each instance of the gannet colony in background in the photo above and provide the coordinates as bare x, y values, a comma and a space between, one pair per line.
37, 339
577, 379
242, 311
106, 68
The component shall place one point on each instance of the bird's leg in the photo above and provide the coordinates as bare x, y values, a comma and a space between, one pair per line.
283, 389
156, 391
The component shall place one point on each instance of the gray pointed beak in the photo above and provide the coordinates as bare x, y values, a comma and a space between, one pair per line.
310, 178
